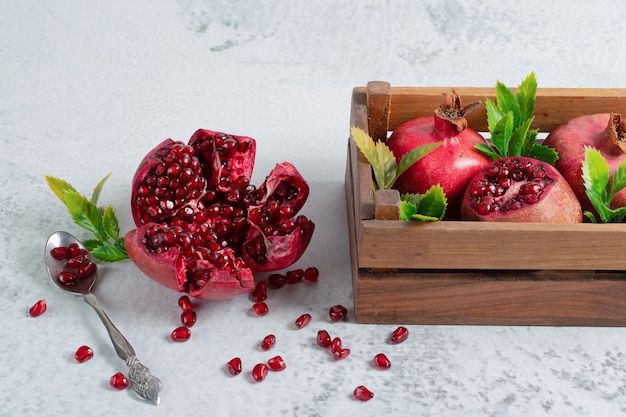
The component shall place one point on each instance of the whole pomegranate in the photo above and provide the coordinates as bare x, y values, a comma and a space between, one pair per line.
605, 132
202, 228
452, 164
520, 189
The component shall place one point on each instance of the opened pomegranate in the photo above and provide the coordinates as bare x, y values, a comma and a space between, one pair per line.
605, 132
452, 164
520, 189
202, 228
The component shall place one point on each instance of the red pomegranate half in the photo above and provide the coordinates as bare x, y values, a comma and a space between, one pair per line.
452, 164
202, 228
520, 189
605, 132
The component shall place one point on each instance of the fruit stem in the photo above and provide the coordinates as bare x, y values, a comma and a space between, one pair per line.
615, 134
450, 117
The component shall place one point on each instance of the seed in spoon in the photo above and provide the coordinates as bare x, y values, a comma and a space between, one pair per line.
76, 263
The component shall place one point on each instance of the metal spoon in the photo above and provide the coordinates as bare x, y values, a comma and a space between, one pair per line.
146, 385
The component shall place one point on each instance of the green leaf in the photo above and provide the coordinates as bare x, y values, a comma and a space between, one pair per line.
526, 96
507, 102
98, 189
619, 179
59, 187
433, 203
386, 169
414, 155
596, 178
109, 253
494, 115
487, 150
543, 153
83, 212
407, 210
413, 198
110, 224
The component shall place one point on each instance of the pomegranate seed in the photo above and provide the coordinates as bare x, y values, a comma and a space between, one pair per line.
67, 278
185, 303
311, 274
86, 269
341, 353
338, 313
268, 342
260, 309
277, 280
381, 361
259, 372
399, 335
76, 261
234, 366
303, 320
294, 276
38, 308
118, 381
361, 393
83, 354
276, 364
260, 292
59, 253
188, 318
335, 345
73, 250
323, 339
180, 334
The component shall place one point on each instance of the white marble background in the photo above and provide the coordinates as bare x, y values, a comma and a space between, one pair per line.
87, 88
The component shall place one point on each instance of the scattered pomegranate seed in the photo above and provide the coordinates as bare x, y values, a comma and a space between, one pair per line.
294, 276
119, 381
338, 313
188, 318
260, 309
83, 354
276, 364
268, 342
323, 339
311, 274
399, 335
234, 366
303, 320
185, 303
38, 308
335, 345
381, 361
341, 353
361, 393
259, 372
260, 292
180, 334
277, 280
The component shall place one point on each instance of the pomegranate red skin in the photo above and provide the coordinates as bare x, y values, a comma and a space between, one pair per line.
569, 140
452, 165
168, 269
558, 202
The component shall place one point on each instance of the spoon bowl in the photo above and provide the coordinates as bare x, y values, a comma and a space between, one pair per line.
145, 385
55, 267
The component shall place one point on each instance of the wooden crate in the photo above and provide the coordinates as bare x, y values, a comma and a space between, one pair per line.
462, 272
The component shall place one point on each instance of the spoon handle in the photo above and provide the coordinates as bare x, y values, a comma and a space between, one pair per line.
146, 385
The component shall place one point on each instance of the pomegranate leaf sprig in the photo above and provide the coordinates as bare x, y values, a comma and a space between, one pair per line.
107, 244
509, 119
430, 206
600, 188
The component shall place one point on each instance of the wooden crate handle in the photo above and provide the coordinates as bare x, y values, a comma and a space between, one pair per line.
378, 109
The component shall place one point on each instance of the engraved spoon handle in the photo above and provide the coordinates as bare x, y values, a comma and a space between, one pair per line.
146, 385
